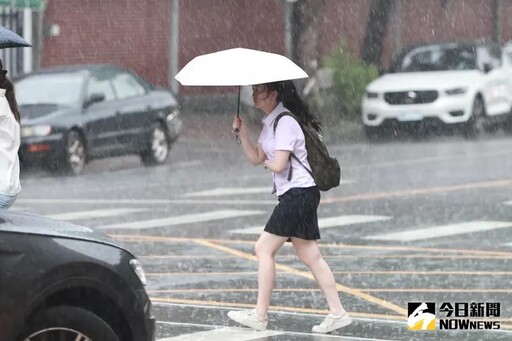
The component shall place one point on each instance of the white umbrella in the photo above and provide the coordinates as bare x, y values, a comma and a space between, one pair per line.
237, 67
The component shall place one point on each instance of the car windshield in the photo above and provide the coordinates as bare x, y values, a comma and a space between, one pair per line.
60, 89
439, 58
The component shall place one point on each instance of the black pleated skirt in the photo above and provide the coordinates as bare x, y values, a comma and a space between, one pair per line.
296, 214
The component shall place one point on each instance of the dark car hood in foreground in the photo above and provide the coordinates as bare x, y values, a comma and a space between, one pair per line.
32, 224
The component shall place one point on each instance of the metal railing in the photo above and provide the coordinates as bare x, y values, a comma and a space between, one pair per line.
12, 58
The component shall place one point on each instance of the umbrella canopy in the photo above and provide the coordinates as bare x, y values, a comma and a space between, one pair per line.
237, 67
10, 39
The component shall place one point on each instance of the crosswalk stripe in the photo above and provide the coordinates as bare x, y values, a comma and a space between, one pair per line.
18, 209
226, 191
324, 223
229, 191
226, 334
184, 219
100, 213
442, 231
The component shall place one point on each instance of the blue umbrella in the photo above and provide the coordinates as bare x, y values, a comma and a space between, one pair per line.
10, 39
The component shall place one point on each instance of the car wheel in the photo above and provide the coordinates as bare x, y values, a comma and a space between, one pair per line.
75, 154
476, 123
66, 323
157, 147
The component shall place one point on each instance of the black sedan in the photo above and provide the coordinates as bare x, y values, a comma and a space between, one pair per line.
61, 282
73, 114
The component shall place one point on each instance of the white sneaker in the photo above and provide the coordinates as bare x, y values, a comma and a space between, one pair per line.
248, 318
332, 323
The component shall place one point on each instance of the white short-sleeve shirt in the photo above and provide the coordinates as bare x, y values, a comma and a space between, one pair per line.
9, 145
288, 136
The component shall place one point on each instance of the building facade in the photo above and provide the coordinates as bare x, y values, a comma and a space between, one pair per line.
139, 34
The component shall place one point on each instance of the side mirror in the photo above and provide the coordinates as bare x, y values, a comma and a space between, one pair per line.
487, 68
94, 98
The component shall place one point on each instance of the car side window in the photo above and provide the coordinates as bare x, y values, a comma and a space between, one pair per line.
489, 55
101, 86
127, 85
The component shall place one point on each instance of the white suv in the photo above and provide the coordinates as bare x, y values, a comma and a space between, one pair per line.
456, 85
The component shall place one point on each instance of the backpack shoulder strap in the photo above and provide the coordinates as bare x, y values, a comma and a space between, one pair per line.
284, 113
292, 155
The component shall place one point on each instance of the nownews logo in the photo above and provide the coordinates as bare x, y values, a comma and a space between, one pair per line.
422, 316
457, 316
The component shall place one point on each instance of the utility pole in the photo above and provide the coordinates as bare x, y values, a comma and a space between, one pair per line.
496, 20
288, 24
174, 45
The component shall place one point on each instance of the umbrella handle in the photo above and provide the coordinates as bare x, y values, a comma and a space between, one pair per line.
236, 130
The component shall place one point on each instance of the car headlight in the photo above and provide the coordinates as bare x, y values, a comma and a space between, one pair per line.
173, 114
137, 268
456, 91
372, 95
35, 131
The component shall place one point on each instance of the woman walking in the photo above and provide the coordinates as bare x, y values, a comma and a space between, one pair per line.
9, 142
295, 217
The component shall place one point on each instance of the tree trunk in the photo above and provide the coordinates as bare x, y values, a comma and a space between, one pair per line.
306, 19
378, 18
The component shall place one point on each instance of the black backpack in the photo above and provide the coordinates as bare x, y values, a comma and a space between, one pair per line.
325, 170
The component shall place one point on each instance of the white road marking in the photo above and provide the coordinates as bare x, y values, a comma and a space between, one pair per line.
229, 191
322, 337
240, 190
509, 203
100, 213
184, 219
145, 202
324, 223
442, 231
184, 164
18, 209
225, 334
290, 313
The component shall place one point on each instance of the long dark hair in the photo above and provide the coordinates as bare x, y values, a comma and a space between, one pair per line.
288, 95
6, 84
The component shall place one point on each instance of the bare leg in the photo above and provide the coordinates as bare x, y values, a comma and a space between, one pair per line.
266, 248
309, 254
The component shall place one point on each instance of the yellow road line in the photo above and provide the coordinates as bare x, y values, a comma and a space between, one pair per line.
420, 191
338, 257
273, 307
308, 275
421, 273
434, 290
202, 273
186, 257
142, 238
427, 273
451, 290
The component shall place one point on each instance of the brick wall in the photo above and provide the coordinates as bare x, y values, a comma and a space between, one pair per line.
135, 33
213, 25
126, 32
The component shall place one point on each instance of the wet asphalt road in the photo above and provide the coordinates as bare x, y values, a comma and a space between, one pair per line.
427, 221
